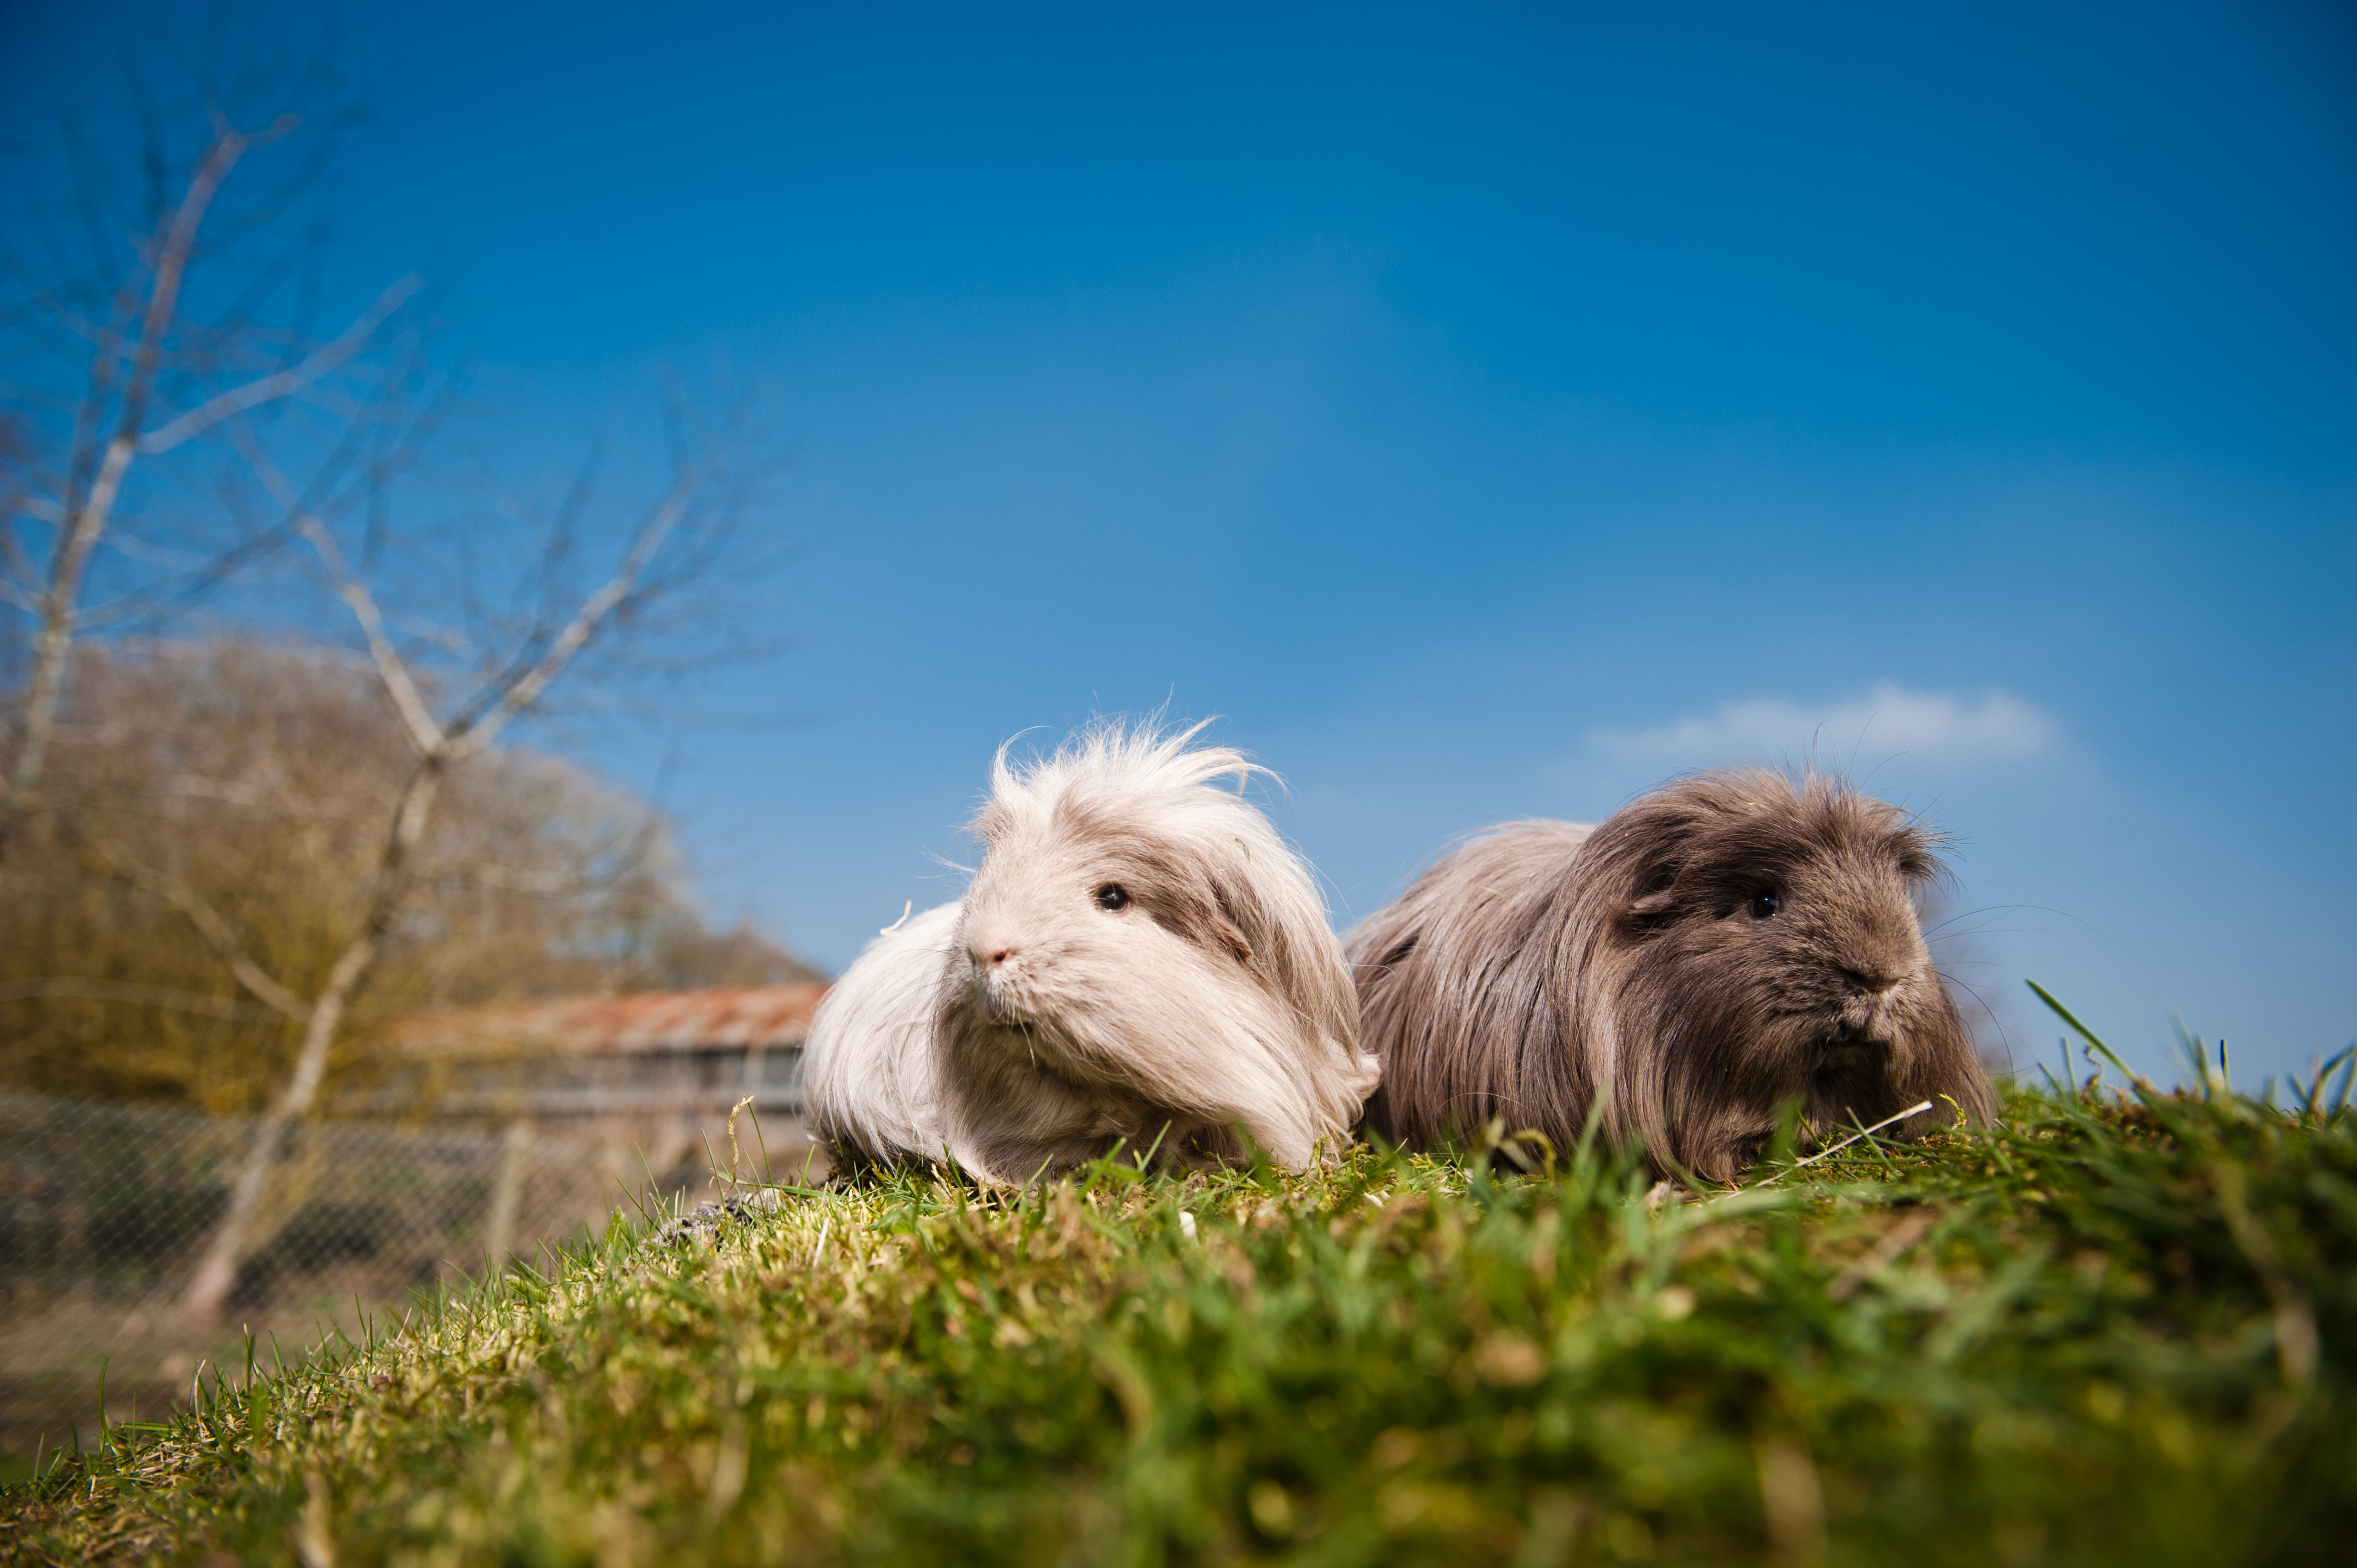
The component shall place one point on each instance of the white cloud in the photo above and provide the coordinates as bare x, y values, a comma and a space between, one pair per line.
1888, 722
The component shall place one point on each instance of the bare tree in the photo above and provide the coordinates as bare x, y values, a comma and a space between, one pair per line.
155, 377
695, 511
348, 415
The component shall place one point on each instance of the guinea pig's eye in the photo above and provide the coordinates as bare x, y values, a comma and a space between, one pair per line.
1113, 896
1764, 904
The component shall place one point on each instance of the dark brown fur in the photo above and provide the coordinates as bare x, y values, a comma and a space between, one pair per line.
1545, 963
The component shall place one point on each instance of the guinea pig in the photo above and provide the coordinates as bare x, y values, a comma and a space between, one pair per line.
1724, 945
1139, 960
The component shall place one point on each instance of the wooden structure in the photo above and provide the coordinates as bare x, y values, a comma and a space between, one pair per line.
658, 1072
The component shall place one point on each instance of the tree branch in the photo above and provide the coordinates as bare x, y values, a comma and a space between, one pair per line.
416, 716
296, 377
208, 922
476, 729
76, 543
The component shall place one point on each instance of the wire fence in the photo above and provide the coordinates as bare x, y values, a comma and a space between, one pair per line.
105, 1207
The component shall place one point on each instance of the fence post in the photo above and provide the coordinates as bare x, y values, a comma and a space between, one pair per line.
499, 1233
73, 1243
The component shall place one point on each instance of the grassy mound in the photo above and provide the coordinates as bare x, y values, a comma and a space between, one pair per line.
2120, 1329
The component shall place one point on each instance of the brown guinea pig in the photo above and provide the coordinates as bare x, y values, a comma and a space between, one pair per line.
1722, 946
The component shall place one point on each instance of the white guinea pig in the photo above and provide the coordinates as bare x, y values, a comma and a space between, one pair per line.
1139, 960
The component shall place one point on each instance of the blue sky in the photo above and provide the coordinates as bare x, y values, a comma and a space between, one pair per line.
1489, 411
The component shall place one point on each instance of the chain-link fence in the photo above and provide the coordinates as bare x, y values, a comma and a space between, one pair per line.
105, 1210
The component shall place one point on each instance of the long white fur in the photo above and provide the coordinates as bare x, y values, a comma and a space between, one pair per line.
1219, 998
868, 1066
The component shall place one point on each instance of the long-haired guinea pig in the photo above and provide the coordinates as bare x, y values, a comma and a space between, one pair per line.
1139, 959
1720, 946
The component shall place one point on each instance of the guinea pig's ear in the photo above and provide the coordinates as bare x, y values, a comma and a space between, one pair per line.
990, 823
1918, 857
1656, 894
1228, 932
1227, 924
1205, 910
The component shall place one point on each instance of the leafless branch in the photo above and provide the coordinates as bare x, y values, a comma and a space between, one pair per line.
74, 547
354, 338
208, 922
130, 356
502, 700
416, 713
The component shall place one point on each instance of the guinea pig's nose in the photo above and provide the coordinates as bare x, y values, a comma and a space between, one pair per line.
1872, 981
991, 956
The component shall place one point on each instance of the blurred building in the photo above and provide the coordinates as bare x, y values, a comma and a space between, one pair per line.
653, 1071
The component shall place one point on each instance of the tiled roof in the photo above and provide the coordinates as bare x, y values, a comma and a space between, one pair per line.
640, 1023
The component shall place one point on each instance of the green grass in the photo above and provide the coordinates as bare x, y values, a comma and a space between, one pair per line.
2122, 1328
